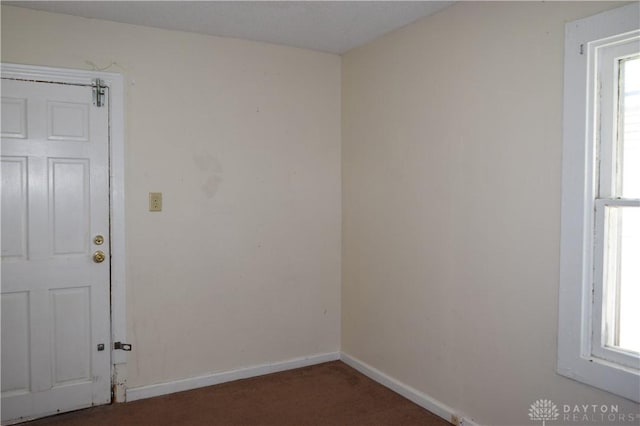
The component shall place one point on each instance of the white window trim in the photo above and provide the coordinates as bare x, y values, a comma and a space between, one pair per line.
575, 354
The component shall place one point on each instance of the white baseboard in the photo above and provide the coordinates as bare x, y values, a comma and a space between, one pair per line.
150, 391
414, 395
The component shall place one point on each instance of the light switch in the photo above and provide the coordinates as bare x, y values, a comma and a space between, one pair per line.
155, 201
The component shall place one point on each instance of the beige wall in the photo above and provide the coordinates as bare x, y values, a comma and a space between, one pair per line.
452, 134
243, 265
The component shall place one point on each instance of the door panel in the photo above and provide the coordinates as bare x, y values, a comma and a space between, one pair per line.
68, 121
14, 207
71, 334
15, 311
55, 298
69, 203
14, 117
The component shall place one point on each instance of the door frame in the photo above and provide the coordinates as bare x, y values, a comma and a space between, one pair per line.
116, 194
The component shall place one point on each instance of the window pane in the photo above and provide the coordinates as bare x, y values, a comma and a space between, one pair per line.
622, 279
629, 134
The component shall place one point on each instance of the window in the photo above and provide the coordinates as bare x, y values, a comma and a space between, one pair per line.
599, 337
617, 205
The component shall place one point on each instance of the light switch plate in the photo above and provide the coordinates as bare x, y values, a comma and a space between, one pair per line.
155, 201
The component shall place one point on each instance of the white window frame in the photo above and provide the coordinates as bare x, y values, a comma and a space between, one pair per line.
581, 356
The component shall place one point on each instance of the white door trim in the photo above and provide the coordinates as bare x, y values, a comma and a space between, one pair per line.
116, 175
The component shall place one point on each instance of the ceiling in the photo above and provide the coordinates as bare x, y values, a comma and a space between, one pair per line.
330, 26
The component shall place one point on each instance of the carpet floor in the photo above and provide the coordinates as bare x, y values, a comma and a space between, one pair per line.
326, 394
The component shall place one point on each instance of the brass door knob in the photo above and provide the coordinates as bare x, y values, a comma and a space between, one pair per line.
99, 256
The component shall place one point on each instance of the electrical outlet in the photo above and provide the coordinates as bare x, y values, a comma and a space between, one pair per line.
155, 201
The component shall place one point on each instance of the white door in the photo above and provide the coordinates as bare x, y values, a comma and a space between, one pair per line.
55, 296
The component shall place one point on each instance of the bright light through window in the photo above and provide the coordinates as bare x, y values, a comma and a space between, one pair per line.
629, 142
628, 334
622, 256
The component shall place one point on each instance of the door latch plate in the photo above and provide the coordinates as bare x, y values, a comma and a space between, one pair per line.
122, 346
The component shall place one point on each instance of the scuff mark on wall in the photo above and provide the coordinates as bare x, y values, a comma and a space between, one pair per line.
212, 170
95, 67
210, 187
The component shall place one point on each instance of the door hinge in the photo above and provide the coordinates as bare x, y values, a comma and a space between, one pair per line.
122, 346
98, 92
